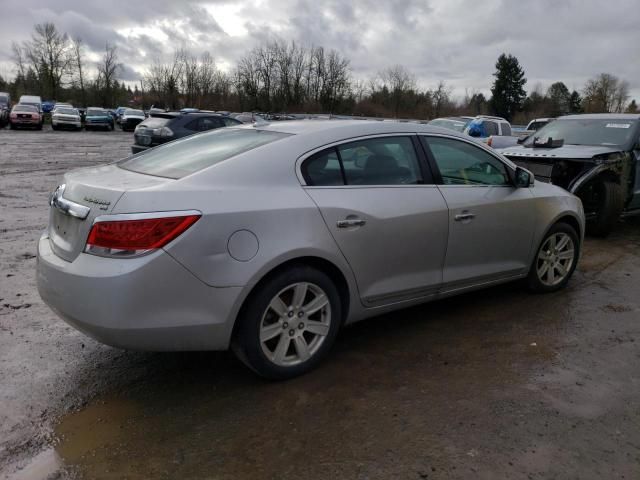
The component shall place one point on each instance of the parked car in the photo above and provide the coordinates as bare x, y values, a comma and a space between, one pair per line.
245, 117
131, 118
164, 127
537, 123
48, 106
595, 156
5, 108
25, 116
117, 114
484, 126
98, 118
457, 124
255, 237
65, 117
61, 105
34, 100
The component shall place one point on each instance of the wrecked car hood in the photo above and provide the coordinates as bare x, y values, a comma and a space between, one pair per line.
566, 151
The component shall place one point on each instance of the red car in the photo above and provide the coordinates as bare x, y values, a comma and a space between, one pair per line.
25, 116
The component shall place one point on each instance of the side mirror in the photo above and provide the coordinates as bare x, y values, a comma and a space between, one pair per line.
524, 178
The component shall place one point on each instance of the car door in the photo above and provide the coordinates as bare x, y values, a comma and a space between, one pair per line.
387, 217
491, 222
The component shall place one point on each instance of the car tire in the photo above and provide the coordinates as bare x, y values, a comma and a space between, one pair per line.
288, 343
555, 260
608, 212
12, 126
53, 127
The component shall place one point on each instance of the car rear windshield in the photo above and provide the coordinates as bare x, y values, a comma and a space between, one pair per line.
155, 122
191, 154
588, 131
133, 112
96, 112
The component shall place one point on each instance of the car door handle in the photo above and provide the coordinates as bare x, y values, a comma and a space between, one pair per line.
351, 222
464, 216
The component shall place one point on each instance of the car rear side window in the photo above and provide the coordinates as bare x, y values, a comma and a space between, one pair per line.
461, 163
323, 169
188, 155
506, 128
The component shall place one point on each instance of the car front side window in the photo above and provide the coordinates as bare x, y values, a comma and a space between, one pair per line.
461, 163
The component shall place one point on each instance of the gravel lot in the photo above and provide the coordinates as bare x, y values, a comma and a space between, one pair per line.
494, 384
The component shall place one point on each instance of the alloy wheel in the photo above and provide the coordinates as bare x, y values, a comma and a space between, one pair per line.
555, 259
295, 324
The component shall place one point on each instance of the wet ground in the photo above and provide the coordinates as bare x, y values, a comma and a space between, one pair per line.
494, 384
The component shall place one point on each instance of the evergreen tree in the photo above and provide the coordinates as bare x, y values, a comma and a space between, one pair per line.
575, 102
507, 91
633, 107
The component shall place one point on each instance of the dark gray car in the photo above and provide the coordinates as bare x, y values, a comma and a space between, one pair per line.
164, 127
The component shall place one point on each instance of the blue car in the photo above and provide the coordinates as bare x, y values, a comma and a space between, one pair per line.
98, 118
48, 106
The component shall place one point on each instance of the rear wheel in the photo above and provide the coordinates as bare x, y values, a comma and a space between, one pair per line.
289, 323
605, 202
555, 260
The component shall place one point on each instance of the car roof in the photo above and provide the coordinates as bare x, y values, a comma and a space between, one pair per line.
602, 116
336, 130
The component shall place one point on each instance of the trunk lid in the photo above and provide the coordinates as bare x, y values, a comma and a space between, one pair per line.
99, 189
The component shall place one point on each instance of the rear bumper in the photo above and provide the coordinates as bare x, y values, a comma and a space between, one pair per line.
147, 303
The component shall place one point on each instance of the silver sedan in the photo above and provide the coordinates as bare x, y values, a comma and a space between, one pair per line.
269, 238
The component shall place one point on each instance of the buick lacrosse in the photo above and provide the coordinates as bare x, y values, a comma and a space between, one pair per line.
268, 238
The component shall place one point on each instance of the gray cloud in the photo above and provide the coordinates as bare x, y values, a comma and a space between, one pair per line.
453, 40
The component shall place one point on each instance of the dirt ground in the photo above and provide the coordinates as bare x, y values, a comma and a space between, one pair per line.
494, 384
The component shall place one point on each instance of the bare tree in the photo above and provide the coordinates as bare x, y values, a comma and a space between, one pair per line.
441, 98
605, 93
78, 57
108, 69
50, 56
399, 81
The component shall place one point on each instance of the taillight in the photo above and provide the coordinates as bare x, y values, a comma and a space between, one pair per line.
130, 238
490, 141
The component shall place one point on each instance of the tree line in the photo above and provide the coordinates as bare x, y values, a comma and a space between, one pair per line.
284, 76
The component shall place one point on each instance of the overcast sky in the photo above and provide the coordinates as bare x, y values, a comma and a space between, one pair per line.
457, 41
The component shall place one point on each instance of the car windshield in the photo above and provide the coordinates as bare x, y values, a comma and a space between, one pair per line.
96, 112
587, 131
183, 157
25, 108
134, 112
4, 99
451, 124
66, 111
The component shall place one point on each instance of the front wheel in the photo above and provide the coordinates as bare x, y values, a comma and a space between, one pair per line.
606, 201
555, 260
289, 323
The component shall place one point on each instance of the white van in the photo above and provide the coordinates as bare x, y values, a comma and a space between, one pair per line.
34, 100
